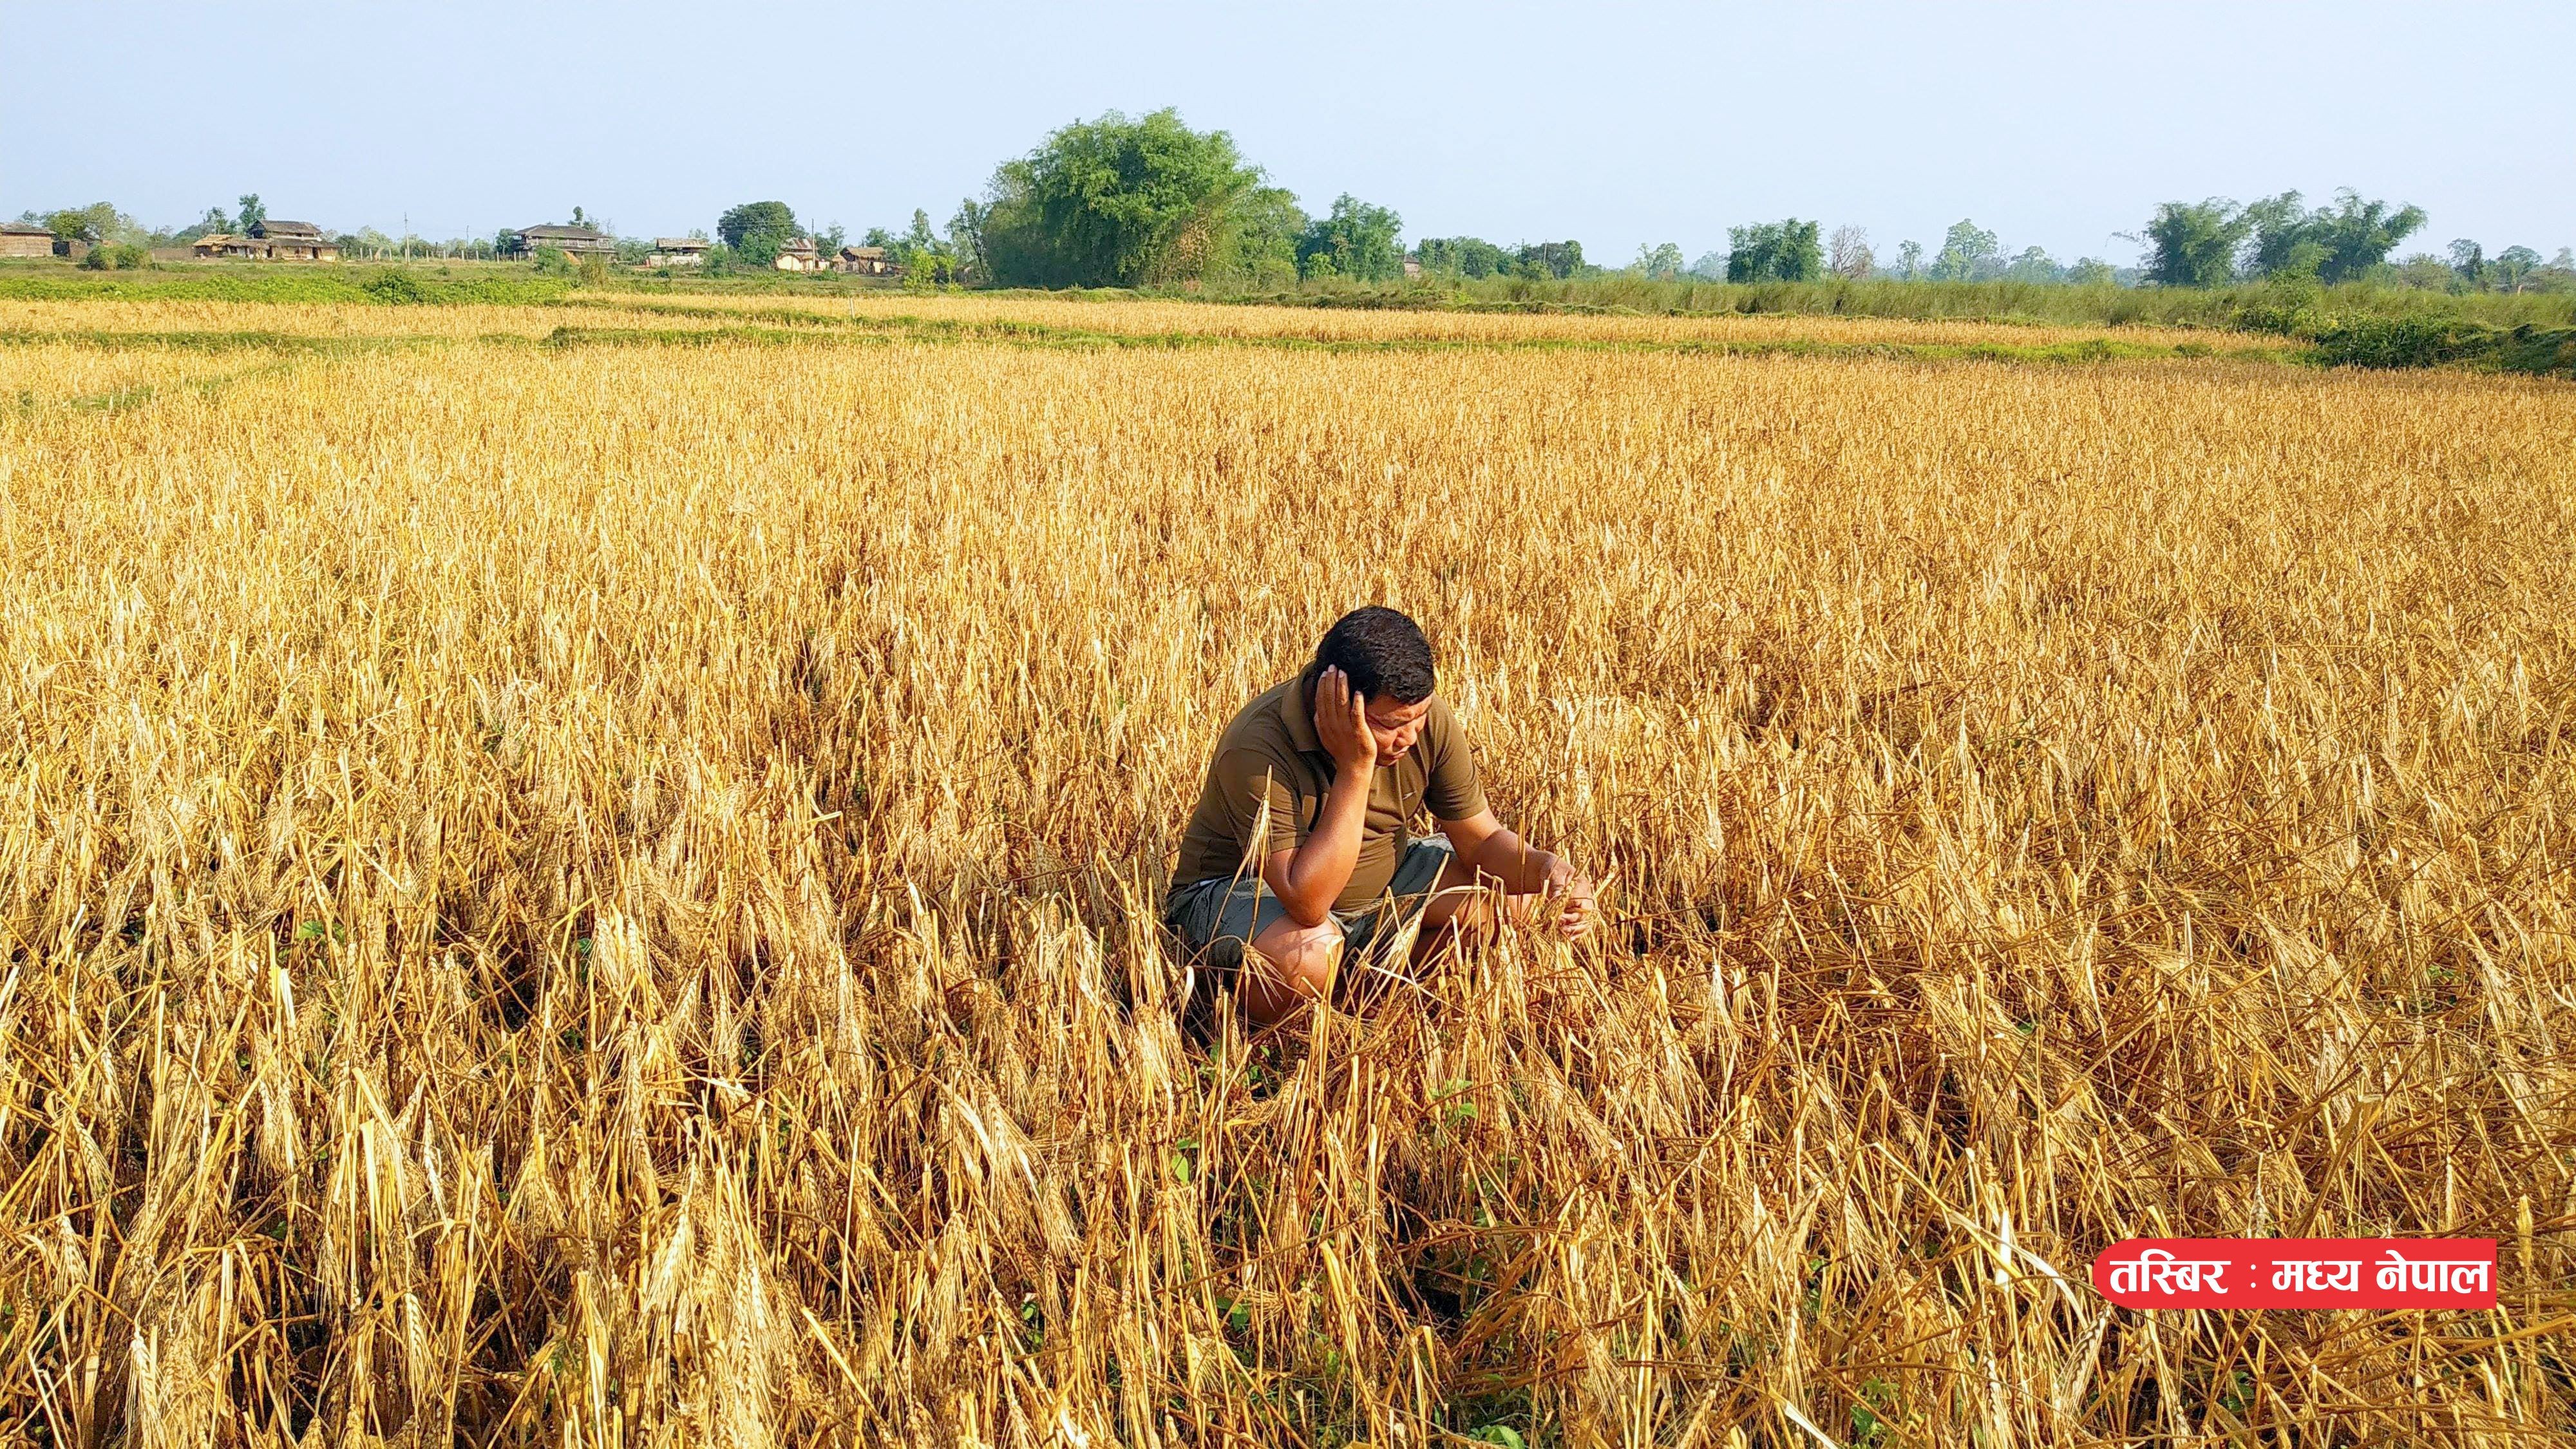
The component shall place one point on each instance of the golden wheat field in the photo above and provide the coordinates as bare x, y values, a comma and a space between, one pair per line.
607, 895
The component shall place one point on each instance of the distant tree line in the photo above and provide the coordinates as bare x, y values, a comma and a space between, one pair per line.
1123, 201
2213, 242
2188, 244
1792, 250
2210, 243
1467, 256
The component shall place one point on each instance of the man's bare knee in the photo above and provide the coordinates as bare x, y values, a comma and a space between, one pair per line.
1294, 963
1302, 954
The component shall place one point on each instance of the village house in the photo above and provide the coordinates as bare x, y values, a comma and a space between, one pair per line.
575, 241
799, 255
295, 241
270, 241
867, 261
25, 239
678, 251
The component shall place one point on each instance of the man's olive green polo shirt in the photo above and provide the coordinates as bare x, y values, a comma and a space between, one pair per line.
1270, 755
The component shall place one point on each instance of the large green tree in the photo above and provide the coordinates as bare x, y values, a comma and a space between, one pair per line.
2033, 265
1968, 253
1120, 202
1354, 239
1268, 224
966, 235
1774, 251
1663, 263
2193, 244
98, 224
2513, 267
113, 238
756, 230
1557, 259
2358, 235
2334, 244
2283, 242
1462, 256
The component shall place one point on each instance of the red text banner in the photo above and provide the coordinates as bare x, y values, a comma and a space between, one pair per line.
2370, 1273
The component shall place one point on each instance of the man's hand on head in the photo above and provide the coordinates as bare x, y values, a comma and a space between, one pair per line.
1309, 878
1341, 722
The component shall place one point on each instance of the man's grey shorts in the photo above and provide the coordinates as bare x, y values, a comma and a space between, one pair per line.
1218, 919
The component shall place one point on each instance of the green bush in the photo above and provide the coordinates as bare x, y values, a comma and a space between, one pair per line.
397, 288
116, 256
2285, 306
2433, 341
2400, 341
2549, 351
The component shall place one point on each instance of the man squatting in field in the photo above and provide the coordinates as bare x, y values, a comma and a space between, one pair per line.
1330, 768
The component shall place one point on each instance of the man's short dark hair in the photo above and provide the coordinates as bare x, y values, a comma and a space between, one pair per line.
1380, 651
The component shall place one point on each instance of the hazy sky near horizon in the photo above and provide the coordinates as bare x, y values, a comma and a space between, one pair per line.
1615, 124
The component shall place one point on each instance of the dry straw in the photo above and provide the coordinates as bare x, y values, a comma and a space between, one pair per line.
605, 896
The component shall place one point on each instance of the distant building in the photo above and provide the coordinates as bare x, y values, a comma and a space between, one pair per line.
269, 241
799, 255
1412, 270
576, 241
25, 239
867, 261
294, 241
678, 251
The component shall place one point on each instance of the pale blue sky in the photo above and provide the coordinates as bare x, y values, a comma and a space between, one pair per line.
1614, 124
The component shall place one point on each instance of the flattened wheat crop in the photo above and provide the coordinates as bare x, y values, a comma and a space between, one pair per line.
595, 896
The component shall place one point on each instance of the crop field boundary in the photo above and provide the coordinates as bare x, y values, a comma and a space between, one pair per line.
1041, 334
780, 327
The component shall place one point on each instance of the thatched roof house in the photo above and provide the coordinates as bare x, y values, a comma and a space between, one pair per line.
868, 261
272, 241
578, 240
25, 239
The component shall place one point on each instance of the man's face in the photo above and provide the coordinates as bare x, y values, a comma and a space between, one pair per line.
1396, 726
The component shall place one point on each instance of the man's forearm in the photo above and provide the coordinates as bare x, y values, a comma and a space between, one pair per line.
1322, 866
1522, 868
